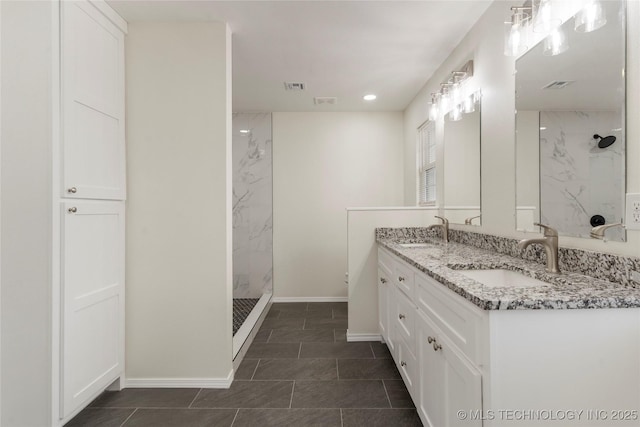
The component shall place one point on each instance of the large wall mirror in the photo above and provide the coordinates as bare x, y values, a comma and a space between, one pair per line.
462, 168
570, 131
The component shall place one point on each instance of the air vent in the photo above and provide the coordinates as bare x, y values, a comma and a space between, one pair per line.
295, 86
329, 100
558, 84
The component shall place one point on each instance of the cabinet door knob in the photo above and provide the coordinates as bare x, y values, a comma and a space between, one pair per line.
431, 339
383, 280
436, 346
400, 279
72, 190
403, 363
72, 210
401, 316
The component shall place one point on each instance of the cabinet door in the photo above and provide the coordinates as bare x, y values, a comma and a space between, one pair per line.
392, 335
448, 383
92, 297
92, 73
383, 317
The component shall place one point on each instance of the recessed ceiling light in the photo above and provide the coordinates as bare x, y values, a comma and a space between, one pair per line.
543, 128
244, 131
369, 97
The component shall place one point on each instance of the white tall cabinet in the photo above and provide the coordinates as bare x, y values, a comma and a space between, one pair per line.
62, 208
91, 196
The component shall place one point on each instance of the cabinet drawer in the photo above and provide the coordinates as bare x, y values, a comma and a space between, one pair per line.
458, 320
403, 278
404, 318
408, 366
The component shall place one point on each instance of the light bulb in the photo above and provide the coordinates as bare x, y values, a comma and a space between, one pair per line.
555, 43
433, 112
469, 105
590, 18
544, 21
444, 103
455, 114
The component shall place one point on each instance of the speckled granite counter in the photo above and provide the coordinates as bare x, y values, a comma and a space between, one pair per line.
564, 291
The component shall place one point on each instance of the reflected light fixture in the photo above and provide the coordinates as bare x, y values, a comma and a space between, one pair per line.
590, 18
245, 131
555, 43
369, 97
543, 20
433, 110
456, 113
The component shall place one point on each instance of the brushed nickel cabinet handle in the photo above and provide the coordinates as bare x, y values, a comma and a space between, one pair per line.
400, 279
431, 340
383, 280
401, 316
72, 210
403, 363
436, 346
72, 190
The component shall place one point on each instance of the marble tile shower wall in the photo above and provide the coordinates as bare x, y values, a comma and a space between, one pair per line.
252, 205
578, 179
613, 268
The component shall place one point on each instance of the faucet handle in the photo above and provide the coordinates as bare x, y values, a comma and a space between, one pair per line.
548, 231
445, 221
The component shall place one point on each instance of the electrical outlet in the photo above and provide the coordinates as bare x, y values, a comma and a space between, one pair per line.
632, 221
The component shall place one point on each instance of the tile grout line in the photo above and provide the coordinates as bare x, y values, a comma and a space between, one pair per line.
255, 370
341, 419
131, 415
293, 388
269, 337
234, 417
372, 352
337, 369
387, 393
194, 399
300, 350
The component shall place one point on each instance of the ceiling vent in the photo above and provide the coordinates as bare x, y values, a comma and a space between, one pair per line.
558, 84
294, 86
328, 100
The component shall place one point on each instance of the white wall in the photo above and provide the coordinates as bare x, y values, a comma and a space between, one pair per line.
26, 126
323, 163
494, 74
178, 281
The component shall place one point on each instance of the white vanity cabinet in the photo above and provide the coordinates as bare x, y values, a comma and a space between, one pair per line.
465, 366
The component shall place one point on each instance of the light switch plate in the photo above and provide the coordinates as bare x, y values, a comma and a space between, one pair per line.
632, 217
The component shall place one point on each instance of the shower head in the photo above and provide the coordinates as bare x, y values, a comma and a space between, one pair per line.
604, 141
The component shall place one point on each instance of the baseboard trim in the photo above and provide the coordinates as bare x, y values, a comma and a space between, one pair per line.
351, 337
180, 382
309, 299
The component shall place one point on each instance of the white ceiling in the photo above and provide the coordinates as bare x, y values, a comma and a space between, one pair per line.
341, 48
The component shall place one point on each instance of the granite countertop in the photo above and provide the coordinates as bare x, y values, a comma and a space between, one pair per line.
562, 291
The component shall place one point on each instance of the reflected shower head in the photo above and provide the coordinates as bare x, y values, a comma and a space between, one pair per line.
604, 141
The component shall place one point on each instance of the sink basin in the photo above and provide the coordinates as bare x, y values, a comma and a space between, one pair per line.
499, 278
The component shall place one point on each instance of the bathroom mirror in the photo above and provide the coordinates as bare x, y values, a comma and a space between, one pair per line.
462, 168
570, 131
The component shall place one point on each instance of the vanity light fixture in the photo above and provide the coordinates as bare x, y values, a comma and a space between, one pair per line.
590, 18
516, 31
369, 97
245, 131
452, 94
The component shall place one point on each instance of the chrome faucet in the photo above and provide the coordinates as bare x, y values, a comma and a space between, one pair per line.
468, 220
444, 226
550, 244
598, 232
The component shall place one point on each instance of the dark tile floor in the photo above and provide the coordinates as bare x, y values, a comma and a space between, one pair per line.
299, 371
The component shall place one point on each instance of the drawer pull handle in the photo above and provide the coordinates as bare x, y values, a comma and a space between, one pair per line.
401, 316
72, 210
431, 340
436, 346
403, 363
72, 190
400, 279
383, 280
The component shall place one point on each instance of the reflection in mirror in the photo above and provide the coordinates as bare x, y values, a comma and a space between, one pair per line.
462, 168
570, 138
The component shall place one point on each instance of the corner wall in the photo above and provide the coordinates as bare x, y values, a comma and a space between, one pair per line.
323, 163
494, 75
178, 274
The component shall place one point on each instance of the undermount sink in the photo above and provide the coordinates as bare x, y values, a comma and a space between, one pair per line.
415, 245
500, 278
